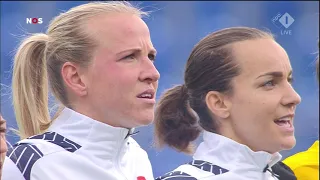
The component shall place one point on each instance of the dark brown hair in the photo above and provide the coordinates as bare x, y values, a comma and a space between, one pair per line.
210, 67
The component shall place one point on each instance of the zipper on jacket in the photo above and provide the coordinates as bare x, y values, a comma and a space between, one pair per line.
273, 175
117, 160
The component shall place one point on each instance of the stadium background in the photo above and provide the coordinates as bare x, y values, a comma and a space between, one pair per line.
175, 28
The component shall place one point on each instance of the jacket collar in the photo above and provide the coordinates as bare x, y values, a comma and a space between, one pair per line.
97, 140
221, 150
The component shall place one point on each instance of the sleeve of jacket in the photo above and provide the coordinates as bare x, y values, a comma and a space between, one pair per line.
10, 171
19, 161
68, 167
179, 175
176, 175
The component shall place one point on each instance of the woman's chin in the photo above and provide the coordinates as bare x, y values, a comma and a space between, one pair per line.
144, 120
288, 143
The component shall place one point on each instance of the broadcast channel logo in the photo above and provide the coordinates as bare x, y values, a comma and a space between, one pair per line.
285, 20
34, 20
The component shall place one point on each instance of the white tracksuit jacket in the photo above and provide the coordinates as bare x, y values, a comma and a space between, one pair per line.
220, 158
77, 147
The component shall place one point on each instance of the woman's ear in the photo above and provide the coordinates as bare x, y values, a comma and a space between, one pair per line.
72, 79
218, 104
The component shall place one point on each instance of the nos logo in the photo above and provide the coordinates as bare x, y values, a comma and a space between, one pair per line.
34, 20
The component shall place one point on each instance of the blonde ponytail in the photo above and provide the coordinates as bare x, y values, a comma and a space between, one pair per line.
30, 86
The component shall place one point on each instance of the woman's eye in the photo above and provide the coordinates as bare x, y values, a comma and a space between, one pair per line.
269, 84
131, 56
152, 57
3, 130
290, 80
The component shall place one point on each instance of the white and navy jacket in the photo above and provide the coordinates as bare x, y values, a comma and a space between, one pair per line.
220, 158
77, 147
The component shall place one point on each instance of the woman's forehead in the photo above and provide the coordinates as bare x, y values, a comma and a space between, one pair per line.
261, 56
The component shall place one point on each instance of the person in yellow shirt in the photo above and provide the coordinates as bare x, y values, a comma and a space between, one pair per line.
305, 165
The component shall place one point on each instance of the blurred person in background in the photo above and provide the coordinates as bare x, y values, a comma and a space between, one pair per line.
98, 59
3, 143
237, 90
305, 165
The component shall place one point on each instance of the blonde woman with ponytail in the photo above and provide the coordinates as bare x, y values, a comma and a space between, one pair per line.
97, 60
